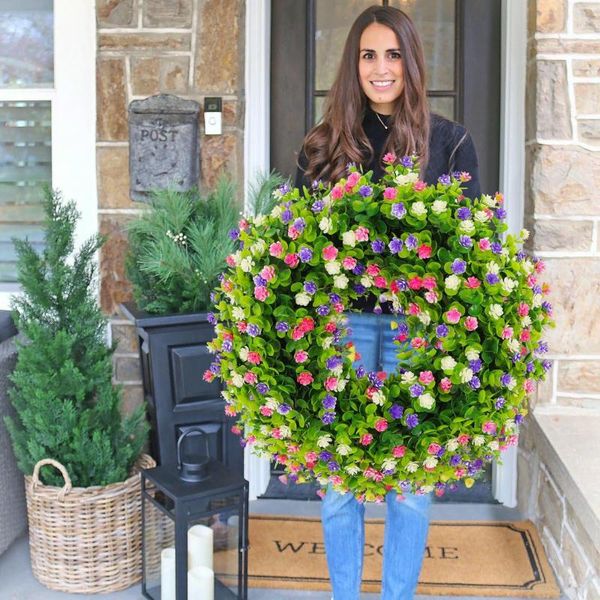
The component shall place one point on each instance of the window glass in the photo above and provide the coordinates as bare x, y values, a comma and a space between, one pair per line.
26, 43
442, 106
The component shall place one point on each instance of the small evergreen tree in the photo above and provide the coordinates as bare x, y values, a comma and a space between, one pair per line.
67, 407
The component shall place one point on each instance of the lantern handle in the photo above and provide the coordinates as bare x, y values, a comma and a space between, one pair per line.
196, 429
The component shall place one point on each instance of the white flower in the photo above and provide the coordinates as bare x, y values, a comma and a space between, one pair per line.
481, 216
265, 430
471, 353
349, 239
237, 380
448, 363
439, 206
524, 233
411, 467
271, 403
285, 431
246, 264
513, 345
430, 462
466, 375
259, 220
333, 267
418, 209
510, 426
426, 401
341, 385
494, 445
408, 178
467, 226
493, 267
237, 256
537, 300
244, 353
496, 311
367, 281
337, 370
326, 342
378, 398
340, 282
508, 285
238, 313
324, 440
452, 445
527, 266
226, 395
526, 321
352, 469
303, 299
277, 210
343, 449
427, 489
389, 464
424, 317
325, 224
258, 247
488, 200
478, 440
452, 282
408, 377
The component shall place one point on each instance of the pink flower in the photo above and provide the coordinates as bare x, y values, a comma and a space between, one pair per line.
390, 193
525, 335
276, 433
227, 285
373, 270
330, 327
349, 262
489, 427
362, 234
464, 176
445, 385
413, 309
243, 224
471, 323
415, 283
424, 251
268, 272
330, 252
261, 293
301, 356
507, 333
242, 326
389, 158
293, 232
473, 282
523, 309
337, 192
453, 315
291, 260
434, 448
429, 282
460, 472
418, 342
529, 385
250, 377
353, 178
381, 425
311, 456
230, 260
380, 281
338, 307
398, 451
484, 244
419, 186
426, 377
276, 249
463, 439
208, 376
230, 411
305, 378
236, 430
336, 480
266, 411
540, 266
431, 297
331, 383
366, 439
254, 358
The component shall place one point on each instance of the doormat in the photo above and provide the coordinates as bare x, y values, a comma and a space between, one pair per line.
462, 558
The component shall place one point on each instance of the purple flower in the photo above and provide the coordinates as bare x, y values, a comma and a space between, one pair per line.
500, 213
282, 326
547, 307
318, 206
210, 317
412, 242
406, 161
492, 278
299, 224
455, 460
441, 452
402, 284
416, 390
359, 289
395, 245
475, 365
374, 380
441, 330
360, 371
405, 486
310, 287
325, 455
333, 362
546, 365
323, 310
359, 269
518, 419
253, 330
506, 379
530, 366
465, 241
536, 289
521, 254
334, 298
459, 266
213, 295
284, 409
496, 247
377, 309
396, 411
444, 179
398, 210
475, 383
258, 280
284, 188
403, 329
328, 418
215, 368
365, 191
286, 216
378, 246
412, 421
463, 213
333, 466
234, 234
227, 346
329, 401
315, 183
305, 254
262, 388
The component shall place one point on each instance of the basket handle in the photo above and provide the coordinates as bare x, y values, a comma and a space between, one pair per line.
35, 478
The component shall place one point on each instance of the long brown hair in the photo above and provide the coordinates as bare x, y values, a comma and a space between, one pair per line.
340, 138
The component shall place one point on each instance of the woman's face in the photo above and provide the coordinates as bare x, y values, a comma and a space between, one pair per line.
380, 69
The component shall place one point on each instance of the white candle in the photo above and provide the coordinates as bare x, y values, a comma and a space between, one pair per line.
200, 547
201, 584
167, 574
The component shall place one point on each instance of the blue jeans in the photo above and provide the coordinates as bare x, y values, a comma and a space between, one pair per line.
342, 515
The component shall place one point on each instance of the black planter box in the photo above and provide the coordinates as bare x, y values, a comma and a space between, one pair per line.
174, 356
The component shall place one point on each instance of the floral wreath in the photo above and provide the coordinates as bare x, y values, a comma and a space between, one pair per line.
470, 318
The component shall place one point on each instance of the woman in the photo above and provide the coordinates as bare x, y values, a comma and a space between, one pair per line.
378, 104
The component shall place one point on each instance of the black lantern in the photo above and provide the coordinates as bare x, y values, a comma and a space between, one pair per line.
194, 529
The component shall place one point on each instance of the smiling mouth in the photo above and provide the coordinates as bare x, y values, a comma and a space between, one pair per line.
382, 84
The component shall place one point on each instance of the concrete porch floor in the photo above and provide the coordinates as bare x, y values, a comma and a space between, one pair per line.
17, 581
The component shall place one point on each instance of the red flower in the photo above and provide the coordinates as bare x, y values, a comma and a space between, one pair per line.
305, 378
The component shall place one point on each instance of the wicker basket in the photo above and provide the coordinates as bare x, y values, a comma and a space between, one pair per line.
85, 540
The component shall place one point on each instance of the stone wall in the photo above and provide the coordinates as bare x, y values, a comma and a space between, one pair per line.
191, 48
562, 196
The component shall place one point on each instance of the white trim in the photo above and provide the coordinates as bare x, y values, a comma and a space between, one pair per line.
512, 175
257, 156
73, 99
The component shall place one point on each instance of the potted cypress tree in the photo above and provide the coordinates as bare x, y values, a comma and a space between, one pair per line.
68, 415
177, 250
